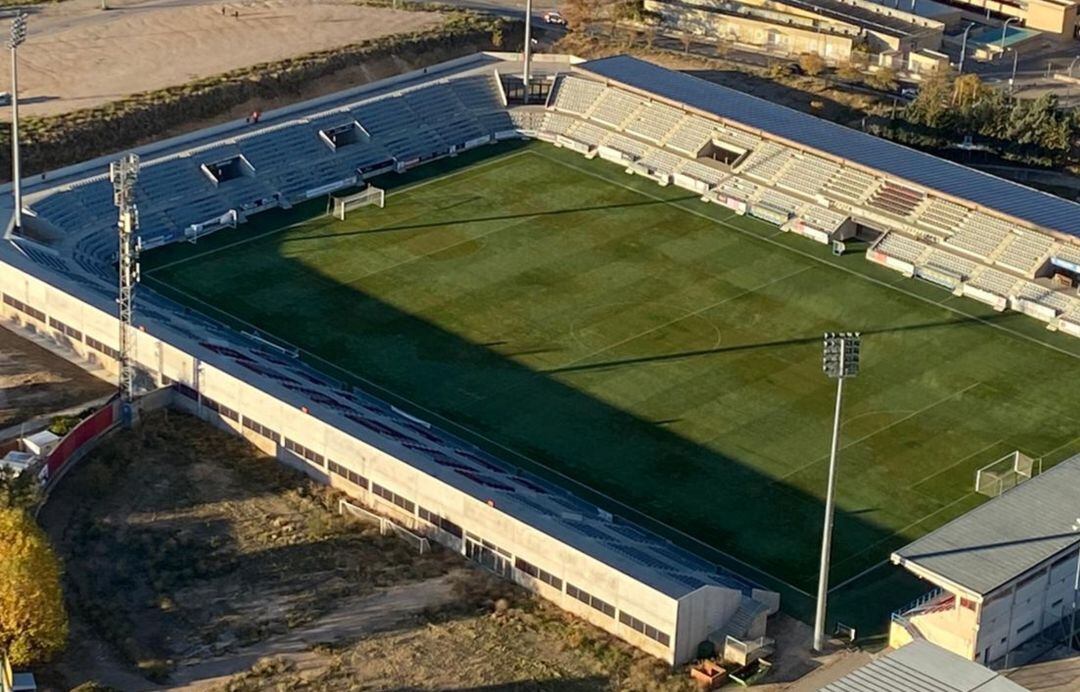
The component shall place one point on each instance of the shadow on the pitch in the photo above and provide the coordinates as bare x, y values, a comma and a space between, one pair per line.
735, 348
442, 222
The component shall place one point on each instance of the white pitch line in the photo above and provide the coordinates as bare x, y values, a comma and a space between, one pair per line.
956, 463
858, 576
698, 311
627, 509
882, 429
899, 531
765, 239
396, 191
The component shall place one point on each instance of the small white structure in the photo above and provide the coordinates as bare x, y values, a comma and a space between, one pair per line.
40, 443
17, 461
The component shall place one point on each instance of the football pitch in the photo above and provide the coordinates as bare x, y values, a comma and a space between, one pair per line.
661, 352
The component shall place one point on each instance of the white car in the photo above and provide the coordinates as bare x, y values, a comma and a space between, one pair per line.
553, 17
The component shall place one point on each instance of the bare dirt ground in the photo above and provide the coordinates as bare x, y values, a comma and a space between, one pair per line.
78, 56
200, 564
34, 381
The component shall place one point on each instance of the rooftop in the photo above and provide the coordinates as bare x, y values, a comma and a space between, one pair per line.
1006, 536
1005, 197
922, 667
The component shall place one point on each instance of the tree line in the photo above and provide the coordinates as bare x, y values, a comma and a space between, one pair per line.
950, 108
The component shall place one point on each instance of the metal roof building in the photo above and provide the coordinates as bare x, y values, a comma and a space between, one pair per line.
1006, 537
1021, 203
1007, 574
922, 667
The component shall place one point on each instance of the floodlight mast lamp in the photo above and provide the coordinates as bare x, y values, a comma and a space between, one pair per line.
840, 361
123, 174
528, 49
18, 36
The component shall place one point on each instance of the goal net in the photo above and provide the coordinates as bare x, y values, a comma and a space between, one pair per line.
1007, 472
340, 206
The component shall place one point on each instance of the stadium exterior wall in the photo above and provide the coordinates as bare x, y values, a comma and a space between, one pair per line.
33, 304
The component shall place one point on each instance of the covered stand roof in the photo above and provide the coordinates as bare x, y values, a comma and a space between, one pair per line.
1005, 537
1008, 198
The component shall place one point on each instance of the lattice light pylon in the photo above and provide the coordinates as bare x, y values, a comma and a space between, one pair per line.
123, 174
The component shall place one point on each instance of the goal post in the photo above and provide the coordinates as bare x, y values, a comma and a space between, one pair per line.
341, 205
1005, 473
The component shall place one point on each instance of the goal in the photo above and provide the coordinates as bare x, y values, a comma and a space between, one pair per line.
1007, 472
340, 206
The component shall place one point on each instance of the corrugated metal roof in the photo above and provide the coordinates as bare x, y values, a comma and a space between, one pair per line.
922, 667
1024, 203
1007, 536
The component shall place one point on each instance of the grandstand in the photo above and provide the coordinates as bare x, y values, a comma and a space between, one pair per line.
996, 242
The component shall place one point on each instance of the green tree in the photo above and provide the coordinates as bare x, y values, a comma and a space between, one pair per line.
18, 491
33, 622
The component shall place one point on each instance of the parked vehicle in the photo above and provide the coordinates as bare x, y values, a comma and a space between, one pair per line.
553, 17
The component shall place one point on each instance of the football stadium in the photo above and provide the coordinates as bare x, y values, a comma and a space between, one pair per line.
571, 327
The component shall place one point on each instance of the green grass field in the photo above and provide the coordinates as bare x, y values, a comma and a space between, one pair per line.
661, 351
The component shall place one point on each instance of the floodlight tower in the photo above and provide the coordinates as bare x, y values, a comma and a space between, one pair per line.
123, 174
18, 36
840, 360
528, 48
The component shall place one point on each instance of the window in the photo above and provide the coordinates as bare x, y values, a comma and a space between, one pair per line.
537, 573
302, 451
590, 600
184, 390
648, 630
393, 497
440, 522
65, 329
102, 348
220, 409
1027, 626
261, 430
348, 474
23, 307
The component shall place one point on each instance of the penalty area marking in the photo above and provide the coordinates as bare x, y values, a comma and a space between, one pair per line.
625, 509
723, 221
391, 193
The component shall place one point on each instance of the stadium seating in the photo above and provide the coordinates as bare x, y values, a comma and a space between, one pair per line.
740, 138
702, 172
896, 199
903, 248
954, 264
941, 218
690, 136
660, 140
586, 133
995, 281
1024, 252
807, 175
654, 122
820, 218
739, 188
626, 146
660, 161
980, 236
766, 162
851, 185
614, 108
576, 95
